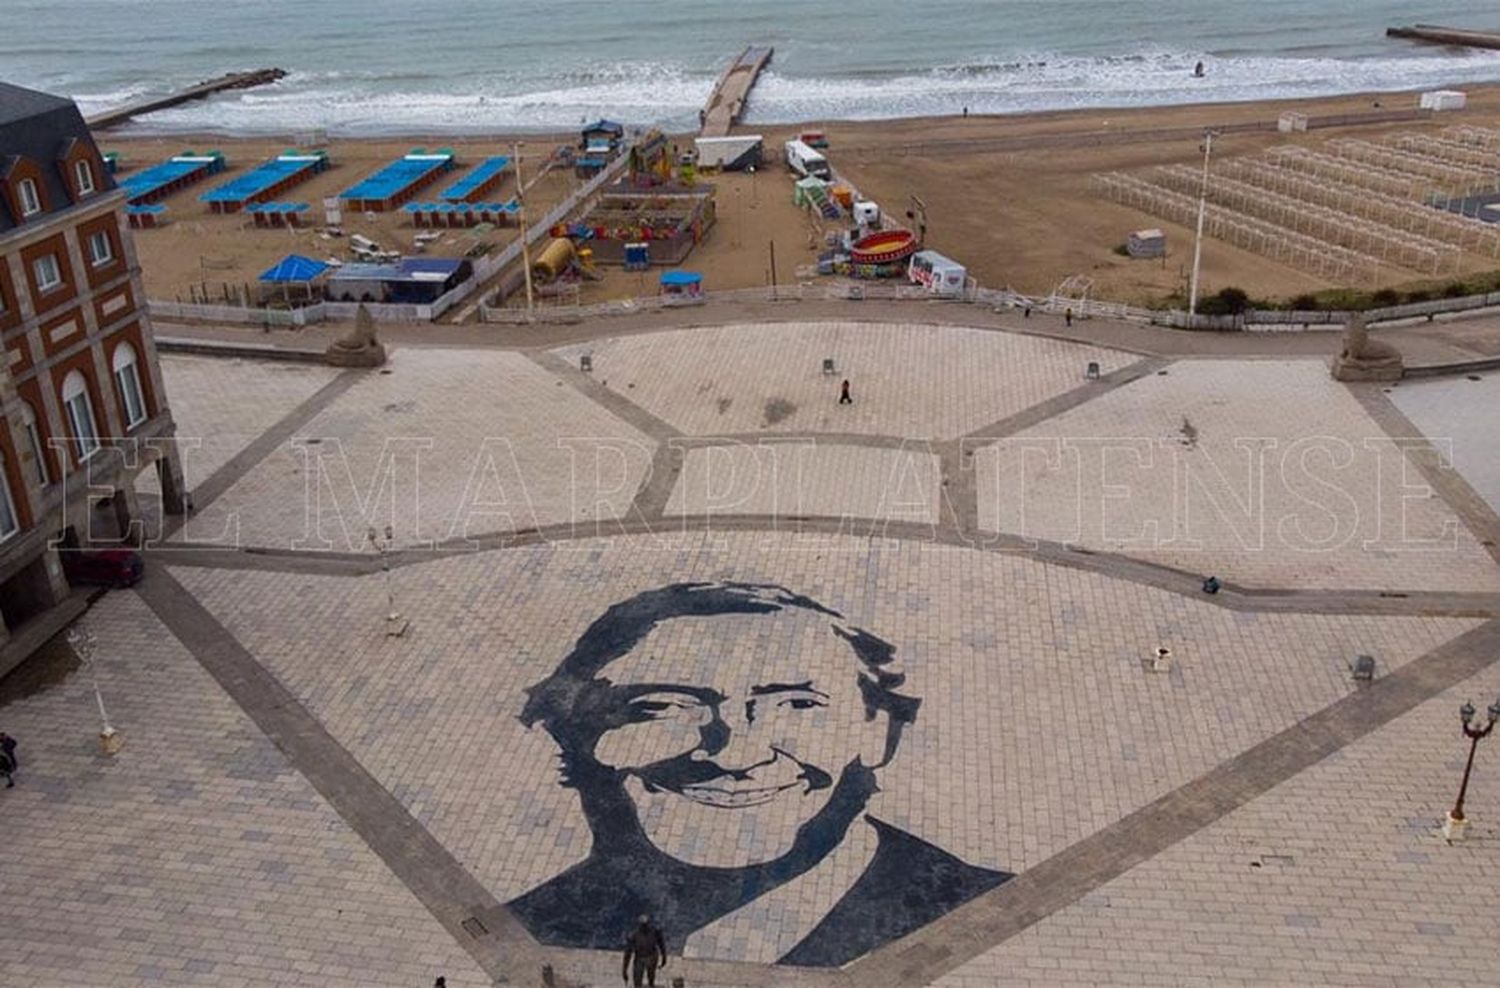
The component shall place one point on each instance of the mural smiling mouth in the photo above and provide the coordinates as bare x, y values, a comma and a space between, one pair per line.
733, 797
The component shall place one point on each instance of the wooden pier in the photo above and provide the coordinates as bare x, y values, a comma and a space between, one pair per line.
1434, 34
727, 101
234, 80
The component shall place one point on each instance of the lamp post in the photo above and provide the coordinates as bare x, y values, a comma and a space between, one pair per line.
395, 624
525, 231
1208, 149
1456, 824
82, 642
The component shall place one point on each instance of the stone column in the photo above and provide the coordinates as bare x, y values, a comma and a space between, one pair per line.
127, 509
169, 475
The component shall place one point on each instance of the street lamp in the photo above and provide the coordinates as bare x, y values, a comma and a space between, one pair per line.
395, 624
82, 642
1208, 149
525, 231
1456, 824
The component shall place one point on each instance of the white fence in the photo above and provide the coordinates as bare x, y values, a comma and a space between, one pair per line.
1082, 308
238, 314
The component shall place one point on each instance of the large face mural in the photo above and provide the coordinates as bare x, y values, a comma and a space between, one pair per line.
724, 740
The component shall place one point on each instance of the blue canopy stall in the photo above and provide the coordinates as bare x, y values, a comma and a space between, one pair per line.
294, 270
681, 285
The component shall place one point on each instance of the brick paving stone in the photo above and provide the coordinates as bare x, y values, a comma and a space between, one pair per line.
1005, 652
221, 405
136, 869
789, 479
449, 444
1160, 469
1357, 898
907, 380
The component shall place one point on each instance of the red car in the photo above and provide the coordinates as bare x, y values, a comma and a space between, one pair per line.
103, 567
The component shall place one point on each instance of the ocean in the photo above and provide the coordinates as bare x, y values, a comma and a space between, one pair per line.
378, 67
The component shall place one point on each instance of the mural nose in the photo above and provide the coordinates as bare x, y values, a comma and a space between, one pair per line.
742, 749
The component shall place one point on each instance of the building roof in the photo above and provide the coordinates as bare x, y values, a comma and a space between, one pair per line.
412, 269
40, 126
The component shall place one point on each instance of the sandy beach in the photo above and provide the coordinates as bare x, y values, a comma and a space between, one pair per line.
1008, 196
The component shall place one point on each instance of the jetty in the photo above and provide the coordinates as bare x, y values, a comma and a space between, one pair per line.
234, 80
1437, 35
727, 101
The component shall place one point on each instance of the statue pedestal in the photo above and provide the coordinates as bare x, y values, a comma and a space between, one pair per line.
1359, 369
342, 356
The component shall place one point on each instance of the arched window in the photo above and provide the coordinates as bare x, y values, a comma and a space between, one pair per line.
75, 396
128, 382
9, 524
34, 438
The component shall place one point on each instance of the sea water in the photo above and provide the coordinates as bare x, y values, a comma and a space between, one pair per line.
369, 67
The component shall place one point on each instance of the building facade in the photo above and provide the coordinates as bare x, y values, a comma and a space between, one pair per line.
82, 406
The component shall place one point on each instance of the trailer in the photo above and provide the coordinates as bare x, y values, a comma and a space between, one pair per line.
938, 274
806, 162
730, 154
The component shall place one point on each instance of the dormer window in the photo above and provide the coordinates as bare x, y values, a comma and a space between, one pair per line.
31, 202
85, 174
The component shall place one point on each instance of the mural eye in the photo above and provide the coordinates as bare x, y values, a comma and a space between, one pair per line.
663, 708
801, 703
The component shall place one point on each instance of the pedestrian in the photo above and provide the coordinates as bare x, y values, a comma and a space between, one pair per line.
1026, 312
966, 111
645, 951
8, 763
1068, 316
844, 397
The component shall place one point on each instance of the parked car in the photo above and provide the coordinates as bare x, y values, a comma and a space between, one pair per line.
103, 567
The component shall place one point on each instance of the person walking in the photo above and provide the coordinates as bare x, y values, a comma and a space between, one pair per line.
1068, 316
8, 763
844, 397
645, 951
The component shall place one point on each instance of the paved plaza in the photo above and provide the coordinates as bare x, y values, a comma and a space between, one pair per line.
841, 695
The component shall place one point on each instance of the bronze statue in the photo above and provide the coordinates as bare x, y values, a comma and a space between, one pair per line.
1364, 359
359, 348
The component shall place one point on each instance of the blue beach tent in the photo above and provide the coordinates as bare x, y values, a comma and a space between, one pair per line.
294, 267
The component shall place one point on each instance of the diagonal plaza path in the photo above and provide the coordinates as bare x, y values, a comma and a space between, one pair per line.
304, 797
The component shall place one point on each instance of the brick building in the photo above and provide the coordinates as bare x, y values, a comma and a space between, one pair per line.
82, 407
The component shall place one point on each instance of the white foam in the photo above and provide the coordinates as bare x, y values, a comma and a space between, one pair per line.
368, 103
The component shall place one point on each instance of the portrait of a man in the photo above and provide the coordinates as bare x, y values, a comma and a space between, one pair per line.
725, 739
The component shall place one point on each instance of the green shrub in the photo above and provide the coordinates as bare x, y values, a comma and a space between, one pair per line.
1305, 303
1225, 302
1122, 250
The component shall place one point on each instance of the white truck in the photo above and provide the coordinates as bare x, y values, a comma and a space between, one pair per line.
806, 162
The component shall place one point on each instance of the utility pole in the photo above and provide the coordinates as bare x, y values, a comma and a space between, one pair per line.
772, 245
525, 230
1208, 148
